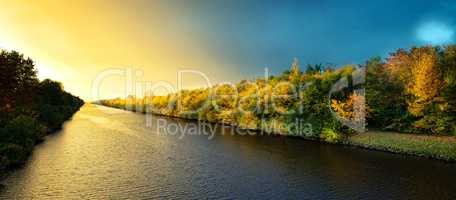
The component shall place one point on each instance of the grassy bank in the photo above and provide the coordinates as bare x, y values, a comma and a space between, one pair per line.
439, 147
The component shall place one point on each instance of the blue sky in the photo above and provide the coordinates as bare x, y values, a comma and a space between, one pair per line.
255, 34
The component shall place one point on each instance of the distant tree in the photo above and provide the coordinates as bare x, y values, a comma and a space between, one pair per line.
314, 69
295, 74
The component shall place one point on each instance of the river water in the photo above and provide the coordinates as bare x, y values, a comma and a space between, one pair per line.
104, 153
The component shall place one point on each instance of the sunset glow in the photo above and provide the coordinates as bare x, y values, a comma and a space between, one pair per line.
74, 42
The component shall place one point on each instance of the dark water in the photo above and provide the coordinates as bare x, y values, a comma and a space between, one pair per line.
111, 154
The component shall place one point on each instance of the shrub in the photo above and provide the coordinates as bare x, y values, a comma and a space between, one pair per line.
13, 154
329, 135
51, 116
20, 130
436, 124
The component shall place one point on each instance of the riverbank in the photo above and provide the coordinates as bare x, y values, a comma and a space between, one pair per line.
428, 146
14, 155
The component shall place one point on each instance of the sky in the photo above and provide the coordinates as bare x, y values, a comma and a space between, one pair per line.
96, 44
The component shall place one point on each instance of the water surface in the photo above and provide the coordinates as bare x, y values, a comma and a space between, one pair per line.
112, 154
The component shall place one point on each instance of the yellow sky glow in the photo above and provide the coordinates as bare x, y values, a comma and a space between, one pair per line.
73, 42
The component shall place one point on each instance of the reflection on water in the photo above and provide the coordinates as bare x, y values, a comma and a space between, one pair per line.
111, 154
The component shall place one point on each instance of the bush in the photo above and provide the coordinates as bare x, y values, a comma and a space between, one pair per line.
13, 154
20, 130
51, 116
329, 135
437, 124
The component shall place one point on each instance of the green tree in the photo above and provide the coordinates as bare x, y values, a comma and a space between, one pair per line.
17, 82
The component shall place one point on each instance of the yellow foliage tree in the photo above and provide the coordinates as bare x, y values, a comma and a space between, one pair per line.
426, 80
354, 108
418, 71
294, 73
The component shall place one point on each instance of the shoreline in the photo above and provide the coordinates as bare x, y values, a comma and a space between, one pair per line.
4, 172
442, 147
425, 146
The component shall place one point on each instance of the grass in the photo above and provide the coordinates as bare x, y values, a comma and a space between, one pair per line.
440, 147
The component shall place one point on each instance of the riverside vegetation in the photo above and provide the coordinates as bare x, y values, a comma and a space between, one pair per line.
29, 108
411, 91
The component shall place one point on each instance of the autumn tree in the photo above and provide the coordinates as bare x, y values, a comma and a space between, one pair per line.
294, 72
426, 80
417, 70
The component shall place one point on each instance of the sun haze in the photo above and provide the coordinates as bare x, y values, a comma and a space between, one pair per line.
73, 42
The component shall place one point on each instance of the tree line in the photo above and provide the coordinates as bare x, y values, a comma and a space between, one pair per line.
29, 108
412, 90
